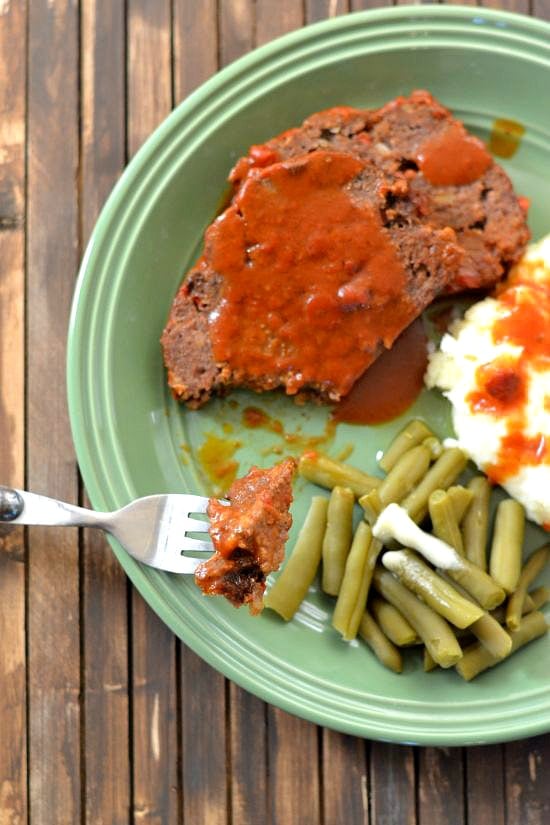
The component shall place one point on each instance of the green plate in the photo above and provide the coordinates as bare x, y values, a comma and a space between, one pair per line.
129, 433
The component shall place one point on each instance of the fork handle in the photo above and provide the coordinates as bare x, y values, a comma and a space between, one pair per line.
20, 507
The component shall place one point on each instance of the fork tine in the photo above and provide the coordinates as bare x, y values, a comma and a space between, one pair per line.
195, 545
196, 504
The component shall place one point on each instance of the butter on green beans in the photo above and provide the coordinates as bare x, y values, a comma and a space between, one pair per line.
337, 540
293, 582
476, 658
432, 628
382, 647
326, 472
444, 521
354, 589
507, 546
534, 565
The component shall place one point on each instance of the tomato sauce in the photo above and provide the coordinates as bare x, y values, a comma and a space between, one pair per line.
311, 280
505, 138
391, 384
452, 157
503, 385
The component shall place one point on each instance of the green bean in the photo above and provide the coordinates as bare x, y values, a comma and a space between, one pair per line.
476, 522
432, 589
428, 661
384, 650
538, 596
292, 584
461, 499
393, 623
534, 565
324, 471
507, 546
440, 476
434, 631
337, 541
477, 583
434, 445
476, 658
372, 506
444, 523
354, 589
405, 474
414, 433
489, 632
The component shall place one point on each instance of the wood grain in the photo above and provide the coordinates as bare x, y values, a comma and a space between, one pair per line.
13, 745
293, 769
153, 647
485, 802
248, 758
236, 27
104, 632
206, 772
195, 45
289, 16
345, 779
527, 789
441, 785
52, 262
392, 785
321, 9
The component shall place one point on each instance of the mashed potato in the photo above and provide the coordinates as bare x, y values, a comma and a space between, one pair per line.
494, 367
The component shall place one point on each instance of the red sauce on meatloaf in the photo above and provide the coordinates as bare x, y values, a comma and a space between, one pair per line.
452, 157
311, 280
248, 535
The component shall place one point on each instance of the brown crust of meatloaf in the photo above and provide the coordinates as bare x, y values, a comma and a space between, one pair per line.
449, 237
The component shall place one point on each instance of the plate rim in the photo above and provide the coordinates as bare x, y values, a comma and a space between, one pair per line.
141, 577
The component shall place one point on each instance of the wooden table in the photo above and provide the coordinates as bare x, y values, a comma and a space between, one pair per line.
105, 717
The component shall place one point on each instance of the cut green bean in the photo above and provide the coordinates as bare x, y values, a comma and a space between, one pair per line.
414, 433
337, 541
475, 526
428, 661
507, 546
437, 593
441, 475
534, 565
392, 622
406, 473
477, 583
384, 650
444, 523
292, 584
326, 472
434, 445
434, 631
461, 499
372, 506
488, 631
476, 658
354, 589
538, 597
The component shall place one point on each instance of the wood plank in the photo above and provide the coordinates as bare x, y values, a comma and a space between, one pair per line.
236, 26
104, 586
527, 789
205, 768
541, 9
345, 779
248, 758
362, 5
13, 745
289, 16
321, 9
195, 45
441, 785
154, 682
521, 6
485, 785
293, 769
52, 261
392, 785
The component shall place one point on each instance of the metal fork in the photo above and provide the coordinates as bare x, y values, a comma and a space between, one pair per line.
152, 529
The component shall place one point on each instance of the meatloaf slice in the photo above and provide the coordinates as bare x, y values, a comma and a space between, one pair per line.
249, 535
445, 236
